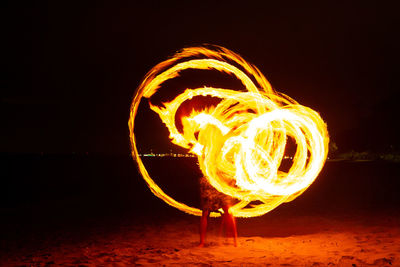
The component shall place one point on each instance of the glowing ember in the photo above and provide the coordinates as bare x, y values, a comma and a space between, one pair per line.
240, 142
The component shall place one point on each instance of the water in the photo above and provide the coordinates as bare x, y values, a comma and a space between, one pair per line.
69, 186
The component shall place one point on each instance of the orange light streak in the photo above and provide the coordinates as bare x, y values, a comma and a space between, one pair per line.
240, 143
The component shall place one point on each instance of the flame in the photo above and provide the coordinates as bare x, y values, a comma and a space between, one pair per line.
240, 142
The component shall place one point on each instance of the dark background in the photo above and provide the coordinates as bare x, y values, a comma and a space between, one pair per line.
71, 67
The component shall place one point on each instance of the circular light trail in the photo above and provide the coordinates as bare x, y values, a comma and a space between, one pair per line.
240, 142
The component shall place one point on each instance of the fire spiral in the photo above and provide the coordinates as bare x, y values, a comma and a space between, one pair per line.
240, 142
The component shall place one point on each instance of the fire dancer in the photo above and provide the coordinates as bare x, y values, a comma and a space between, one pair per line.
213, 200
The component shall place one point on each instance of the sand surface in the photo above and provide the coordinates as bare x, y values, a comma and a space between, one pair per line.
97, 214
270, 240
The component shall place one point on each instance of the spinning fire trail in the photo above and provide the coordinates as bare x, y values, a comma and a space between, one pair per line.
240, 142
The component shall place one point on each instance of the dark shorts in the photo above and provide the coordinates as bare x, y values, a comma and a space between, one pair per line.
211, 198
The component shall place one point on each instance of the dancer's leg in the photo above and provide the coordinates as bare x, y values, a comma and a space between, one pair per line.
203, 227
230, 220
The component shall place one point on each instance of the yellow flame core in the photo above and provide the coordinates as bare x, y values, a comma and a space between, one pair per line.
240, 142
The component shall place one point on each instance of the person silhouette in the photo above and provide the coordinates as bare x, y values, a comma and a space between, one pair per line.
213, 200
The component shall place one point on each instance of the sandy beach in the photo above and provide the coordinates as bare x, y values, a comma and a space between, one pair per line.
349, 217
270, 240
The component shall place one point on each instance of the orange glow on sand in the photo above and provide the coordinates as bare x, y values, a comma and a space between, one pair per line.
240, 142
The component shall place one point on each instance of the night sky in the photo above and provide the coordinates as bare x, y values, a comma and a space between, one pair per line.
71, 67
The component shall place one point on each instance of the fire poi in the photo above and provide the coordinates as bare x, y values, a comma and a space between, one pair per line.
240, 142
